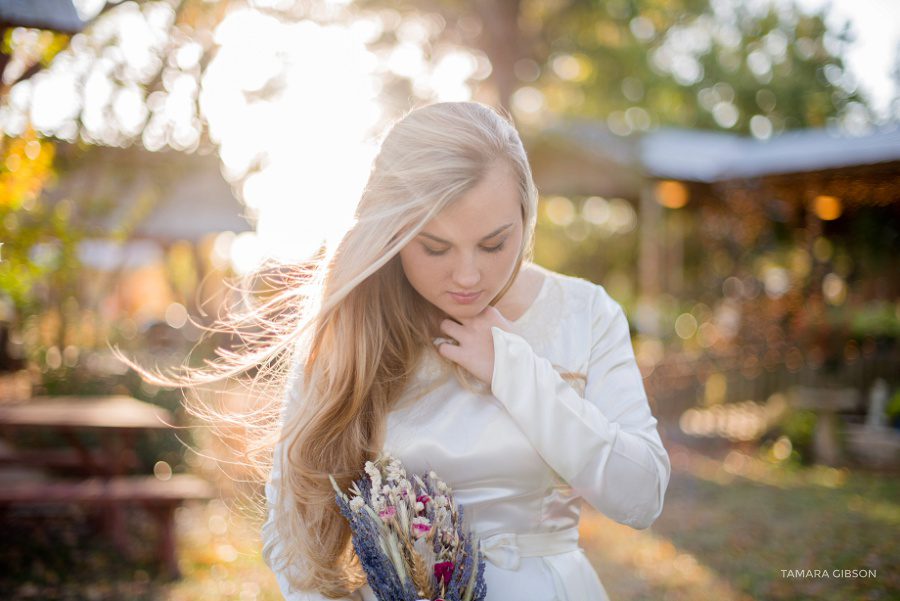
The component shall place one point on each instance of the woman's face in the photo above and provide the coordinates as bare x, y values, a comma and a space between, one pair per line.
465, 255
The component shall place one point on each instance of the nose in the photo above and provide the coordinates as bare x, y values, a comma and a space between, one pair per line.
466, 273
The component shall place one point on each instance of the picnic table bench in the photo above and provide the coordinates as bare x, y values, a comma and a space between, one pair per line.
59, 459
159, 497
118, 419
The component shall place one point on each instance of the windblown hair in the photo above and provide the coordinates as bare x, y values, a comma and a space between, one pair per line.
341, 341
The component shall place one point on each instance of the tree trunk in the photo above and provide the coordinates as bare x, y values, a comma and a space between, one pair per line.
500, 41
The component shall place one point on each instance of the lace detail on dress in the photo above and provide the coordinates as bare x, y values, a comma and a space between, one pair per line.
431, 366
542, 321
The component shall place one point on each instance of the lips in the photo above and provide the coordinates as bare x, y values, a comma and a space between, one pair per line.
465, 298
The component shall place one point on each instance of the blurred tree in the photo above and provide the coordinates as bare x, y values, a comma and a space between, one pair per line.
26, 167
40, 272
37, 242
24, 52
718, 65
39, 267
107, 80
136, 73
756, 69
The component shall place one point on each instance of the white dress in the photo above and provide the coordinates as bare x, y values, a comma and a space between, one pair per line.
522, 460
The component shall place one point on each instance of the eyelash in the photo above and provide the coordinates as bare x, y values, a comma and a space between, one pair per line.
490, 249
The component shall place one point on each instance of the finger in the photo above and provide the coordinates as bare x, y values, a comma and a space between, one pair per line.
450, 351
452, 329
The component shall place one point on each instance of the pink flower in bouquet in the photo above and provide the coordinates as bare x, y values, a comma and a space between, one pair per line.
443, 571
420, 530
388, 513
423, 499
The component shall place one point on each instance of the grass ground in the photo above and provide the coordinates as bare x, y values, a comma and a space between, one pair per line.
729, 529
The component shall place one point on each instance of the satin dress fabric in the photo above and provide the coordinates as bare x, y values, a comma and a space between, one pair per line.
523, 459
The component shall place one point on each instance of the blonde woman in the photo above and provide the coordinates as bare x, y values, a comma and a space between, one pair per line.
427, 334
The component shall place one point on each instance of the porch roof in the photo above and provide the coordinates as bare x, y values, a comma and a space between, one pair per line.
705, 156
54, 15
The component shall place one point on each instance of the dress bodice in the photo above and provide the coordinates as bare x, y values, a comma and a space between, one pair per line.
472, 442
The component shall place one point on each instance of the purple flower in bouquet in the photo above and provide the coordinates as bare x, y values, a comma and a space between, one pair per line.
410, 536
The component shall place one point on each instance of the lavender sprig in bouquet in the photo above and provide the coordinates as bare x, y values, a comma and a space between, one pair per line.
409, 536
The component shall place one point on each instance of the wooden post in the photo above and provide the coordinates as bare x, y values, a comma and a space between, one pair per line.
166, 552
649, 259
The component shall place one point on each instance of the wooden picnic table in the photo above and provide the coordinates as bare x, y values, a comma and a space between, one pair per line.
117, 420
825, 403
104, 412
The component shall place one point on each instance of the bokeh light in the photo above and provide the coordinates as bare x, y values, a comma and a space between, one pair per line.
560, 210
595, 210
827, 208
746, 420
685, 326
834, 288
671, 194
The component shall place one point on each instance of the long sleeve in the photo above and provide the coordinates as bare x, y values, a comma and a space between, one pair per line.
273, 540
605, 445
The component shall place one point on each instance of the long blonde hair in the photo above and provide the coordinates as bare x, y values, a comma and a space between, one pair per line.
343, 339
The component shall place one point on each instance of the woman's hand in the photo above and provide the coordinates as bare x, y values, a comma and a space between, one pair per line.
475, 351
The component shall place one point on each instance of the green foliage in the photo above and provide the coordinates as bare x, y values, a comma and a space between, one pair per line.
798, 426
877, 320
647, 63
892, 410
35, 237
598, 253
39, 266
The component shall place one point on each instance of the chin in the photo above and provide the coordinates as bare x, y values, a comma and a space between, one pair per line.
464, 311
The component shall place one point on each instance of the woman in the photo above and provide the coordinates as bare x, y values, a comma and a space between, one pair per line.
426, 334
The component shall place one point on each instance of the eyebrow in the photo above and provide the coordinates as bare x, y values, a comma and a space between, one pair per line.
488, 237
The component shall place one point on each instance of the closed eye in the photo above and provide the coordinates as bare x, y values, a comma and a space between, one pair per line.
489, 249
